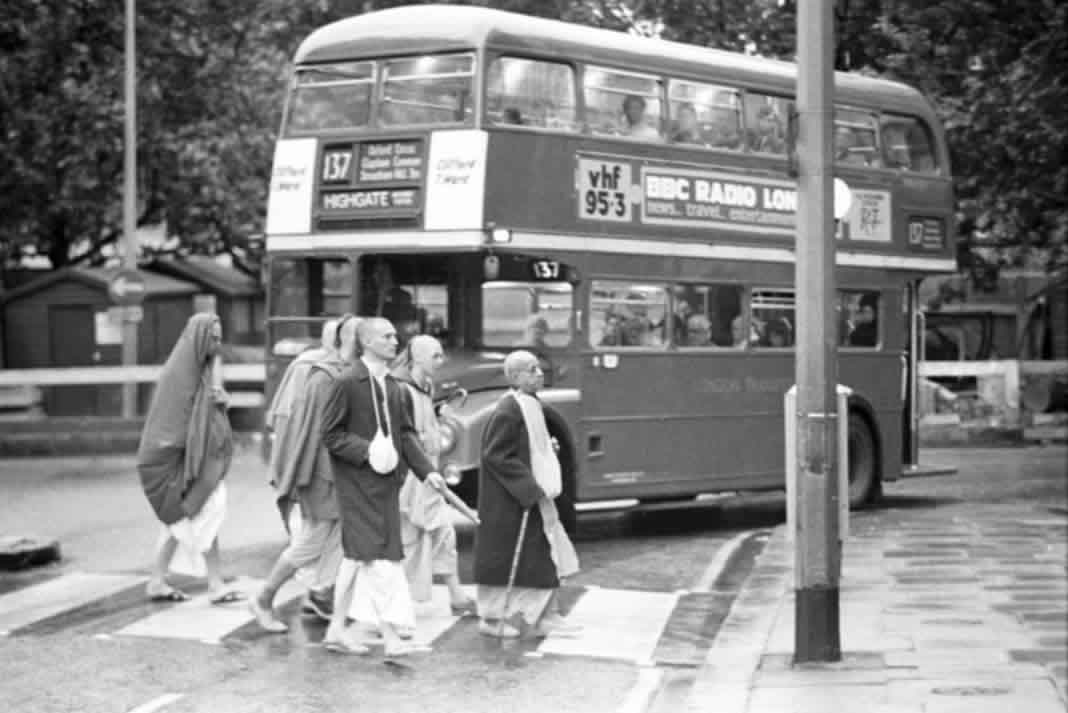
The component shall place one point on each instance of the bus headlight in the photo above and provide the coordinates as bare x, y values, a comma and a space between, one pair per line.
447, 433
452, 474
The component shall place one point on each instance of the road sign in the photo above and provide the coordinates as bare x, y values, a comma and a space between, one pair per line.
126, 313
127, 288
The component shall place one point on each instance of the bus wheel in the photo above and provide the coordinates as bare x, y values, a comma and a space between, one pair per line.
863, 463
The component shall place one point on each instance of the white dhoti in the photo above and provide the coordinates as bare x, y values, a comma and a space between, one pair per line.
314, 549
381, 596
427, 536
195, 535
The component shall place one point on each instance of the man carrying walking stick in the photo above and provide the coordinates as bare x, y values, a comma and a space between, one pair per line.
518, 569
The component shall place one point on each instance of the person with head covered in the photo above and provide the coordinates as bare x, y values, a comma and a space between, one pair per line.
520, 473
185, 452
368, 430
302, 475
426, 529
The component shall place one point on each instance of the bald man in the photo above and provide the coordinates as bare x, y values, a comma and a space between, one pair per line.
520, 473
373, 443
302, 475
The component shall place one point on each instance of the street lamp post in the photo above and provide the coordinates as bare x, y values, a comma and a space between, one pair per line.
129, 207
817, 548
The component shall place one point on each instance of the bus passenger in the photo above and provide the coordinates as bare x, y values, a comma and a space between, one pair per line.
687, 130
777, 333
742, 336
698, 331
535, 331
613, 330
634, 119
512, 115
768, 136
866, 331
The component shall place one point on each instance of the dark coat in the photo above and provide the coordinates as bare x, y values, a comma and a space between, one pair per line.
506, 487
369, 503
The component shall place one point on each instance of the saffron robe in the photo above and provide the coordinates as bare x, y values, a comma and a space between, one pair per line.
186, 445
369, 503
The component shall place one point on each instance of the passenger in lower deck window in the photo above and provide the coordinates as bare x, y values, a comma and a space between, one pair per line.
866, 331
777, 333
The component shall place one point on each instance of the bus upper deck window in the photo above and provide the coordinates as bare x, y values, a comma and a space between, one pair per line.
765, 123
527, 92
907, 145
427, 90
705, 115
622, 104
855, 138
330, 97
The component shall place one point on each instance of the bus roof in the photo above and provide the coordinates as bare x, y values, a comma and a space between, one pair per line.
417, 29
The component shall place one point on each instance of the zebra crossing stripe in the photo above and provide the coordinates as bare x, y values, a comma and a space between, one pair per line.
200, 620
64, 593
618, 624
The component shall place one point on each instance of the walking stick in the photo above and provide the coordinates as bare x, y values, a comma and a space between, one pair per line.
512, 572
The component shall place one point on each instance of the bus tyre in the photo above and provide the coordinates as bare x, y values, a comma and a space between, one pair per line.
863, 462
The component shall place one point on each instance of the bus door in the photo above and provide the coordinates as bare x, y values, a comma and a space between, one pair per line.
910, 365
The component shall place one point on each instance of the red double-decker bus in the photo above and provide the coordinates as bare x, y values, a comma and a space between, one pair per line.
622, 206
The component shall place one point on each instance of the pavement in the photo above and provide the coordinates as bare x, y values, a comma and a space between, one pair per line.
959, 608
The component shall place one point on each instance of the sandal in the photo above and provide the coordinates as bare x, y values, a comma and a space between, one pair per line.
341, 646
170, 595
228, 597
468, 608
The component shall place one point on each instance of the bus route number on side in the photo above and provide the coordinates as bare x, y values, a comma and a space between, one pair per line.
604, 189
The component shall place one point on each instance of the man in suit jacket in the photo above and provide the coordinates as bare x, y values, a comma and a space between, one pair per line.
367, 427
520, 472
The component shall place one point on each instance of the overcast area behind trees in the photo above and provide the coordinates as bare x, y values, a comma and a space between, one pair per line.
211, 82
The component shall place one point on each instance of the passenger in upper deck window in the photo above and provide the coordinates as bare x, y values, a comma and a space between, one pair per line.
634, 119
768, 136
686, 129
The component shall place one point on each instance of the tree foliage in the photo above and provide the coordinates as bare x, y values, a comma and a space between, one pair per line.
211, 80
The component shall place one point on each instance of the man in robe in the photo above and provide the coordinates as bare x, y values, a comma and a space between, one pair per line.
302, 476
373, 443
520, 473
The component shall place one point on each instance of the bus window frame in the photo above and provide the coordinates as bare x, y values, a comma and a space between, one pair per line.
269, 301
580, 109
746, 128
661, 82
669, 80
372, 112
477, 86
941, 162
879, 154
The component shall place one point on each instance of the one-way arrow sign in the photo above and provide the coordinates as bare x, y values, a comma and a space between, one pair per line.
127, 288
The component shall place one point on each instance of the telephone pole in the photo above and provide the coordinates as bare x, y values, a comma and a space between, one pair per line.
817, 548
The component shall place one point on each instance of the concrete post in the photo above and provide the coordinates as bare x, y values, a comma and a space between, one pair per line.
818, 550
129, 206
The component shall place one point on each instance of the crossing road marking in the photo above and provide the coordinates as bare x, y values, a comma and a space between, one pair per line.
157, 703
200, 620
618, 624
70, 591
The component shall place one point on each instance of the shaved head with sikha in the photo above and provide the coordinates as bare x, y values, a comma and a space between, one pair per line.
523, 372
378, 338
329, 334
